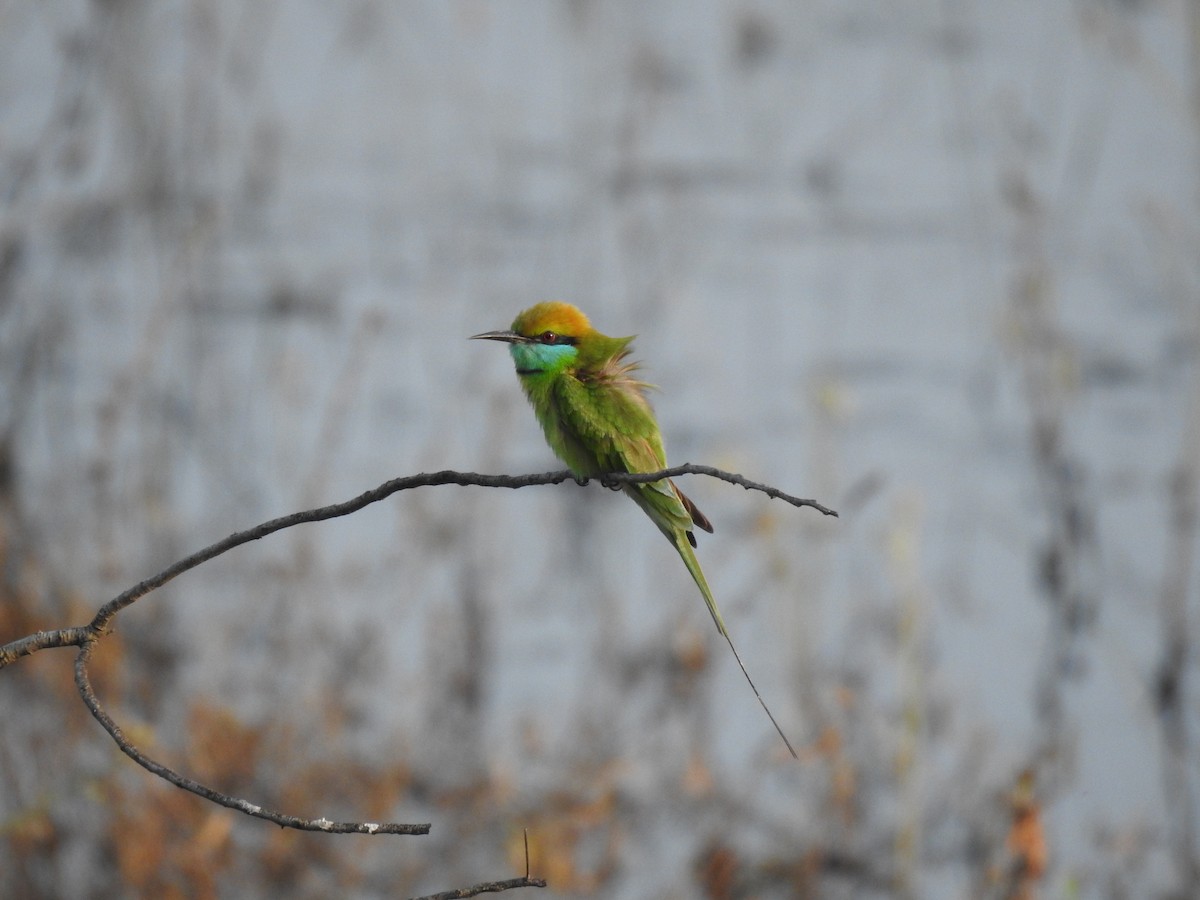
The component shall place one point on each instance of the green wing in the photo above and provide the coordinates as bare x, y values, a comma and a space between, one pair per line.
615, 428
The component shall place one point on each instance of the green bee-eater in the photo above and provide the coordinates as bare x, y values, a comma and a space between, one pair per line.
597, 420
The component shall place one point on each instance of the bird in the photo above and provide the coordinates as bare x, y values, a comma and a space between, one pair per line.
593, 410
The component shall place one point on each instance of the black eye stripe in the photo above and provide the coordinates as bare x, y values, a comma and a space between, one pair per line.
551, 337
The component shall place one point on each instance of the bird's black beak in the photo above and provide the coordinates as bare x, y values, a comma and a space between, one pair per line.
509, 337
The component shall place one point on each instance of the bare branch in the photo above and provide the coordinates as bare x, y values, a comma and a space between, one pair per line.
43, 640
65, 637
86, 637
731, 477
83, 683
487, 887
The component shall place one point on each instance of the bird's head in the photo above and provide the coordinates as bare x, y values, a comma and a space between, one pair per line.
545, 339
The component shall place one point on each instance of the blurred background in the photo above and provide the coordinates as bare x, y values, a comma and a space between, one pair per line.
935, 264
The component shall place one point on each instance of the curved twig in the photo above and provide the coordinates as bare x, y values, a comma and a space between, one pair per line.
491, 887
84, 684
87, 636
731, 477
487, 887
67, 637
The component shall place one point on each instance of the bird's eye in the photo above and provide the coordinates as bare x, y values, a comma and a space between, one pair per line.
548, 337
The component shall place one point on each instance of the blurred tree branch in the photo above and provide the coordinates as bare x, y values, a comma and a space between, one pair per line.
87, 636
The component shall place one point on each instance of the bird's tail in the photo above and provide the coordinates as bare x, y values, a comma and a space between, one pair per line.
693, 565
683, 545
